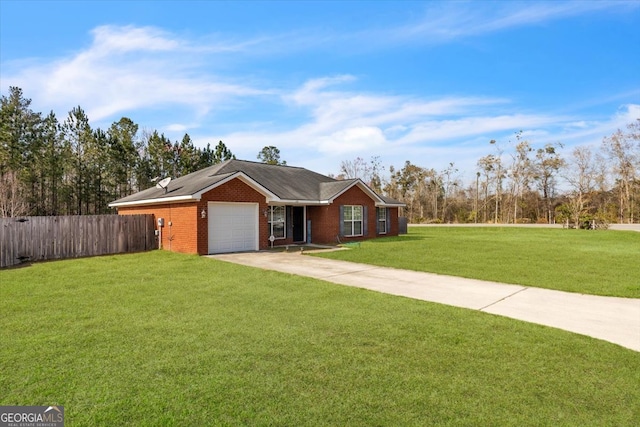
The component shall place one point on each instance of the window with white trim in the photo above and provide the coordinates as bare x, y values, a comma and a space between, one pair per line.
277, 221
382, 221
352, 220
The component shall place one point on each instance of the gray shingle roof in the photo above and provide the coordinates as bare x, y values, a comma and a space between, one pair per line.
286, 183
330, 189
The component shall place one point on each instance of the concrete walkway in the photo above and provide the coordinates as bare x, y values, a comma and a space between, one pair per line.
616, 320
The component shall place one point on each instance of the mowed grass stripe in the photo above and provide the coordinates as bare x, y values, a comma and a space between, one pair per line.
602, 262
170, 339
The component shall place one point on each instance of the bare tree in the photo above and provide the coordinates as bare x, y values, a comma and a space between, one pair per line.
617, 149
582, 178
487, 165
448, 181
375, 174
413, 185
520, 172
12, 200
547, 165
356, 168
495, 172
620, 149
370, 172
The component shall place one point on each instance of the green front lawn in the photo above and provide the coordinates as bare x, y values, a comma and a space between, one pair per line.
583, 261
169, 339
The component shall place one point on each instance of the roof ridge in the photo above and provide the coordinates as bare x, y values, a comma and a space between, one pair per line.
265, 164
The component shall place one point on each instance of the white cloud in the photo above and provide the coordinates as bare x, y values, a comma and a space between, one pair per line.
592, 132
445, 21
629, 114
336, 111
431, 133
342, 121
351, 140
463, 127
127, 68
346, 124
310, 92
110, 39
177, 127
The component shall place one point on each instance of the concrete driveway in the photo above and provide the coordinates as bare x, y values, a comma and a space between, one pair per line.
616, 320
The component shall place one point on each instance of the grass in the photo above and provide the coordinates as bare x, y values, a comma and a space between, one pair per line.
584, 261
169, 339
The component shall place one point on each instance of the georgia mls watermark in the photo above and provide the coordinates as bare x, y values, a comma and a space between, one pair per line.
31, 416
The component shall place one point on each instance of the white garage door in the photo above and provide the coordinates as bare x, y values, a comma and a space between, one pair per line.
233, 227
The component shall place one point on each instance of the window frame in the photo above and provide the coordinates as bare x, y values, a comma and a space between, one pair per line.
283, 221
350, 220
382, 212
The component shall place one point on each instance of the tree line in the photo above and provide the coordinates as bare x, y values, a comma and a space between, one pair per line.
520, 183
52, 167
48, 167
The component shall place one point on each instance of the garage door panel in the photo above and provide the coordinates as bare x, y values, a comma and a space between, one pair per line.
233, 227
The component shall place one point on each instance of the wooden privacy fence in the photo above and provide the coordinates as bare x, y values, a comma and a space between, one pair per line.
39, 238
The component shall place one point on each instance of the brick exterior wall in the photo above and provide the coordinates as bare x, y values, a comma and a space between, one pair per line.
325, 220
233, 191
184, 228
180, 222
186, 231
392, 222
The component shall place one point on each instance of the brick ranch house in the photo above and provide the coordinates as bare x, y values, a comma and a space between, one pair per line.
238, 205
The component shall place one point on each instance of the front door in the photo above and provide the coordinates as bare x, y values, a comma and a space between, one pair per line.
298, 223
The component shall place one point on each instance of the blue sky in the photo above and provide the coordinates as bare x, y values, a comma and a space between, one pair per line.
428, 82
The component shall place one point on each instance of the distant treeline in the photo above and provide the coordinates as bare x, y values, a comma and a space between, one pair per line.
53, 168
520, 183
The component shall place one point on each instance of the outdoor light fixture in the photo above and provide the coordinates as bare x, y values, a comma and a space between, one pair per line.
203, 214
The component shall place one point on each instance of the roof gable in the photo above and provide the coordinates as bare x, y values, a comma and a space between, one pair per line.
333, 190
